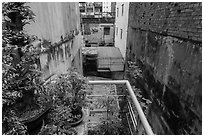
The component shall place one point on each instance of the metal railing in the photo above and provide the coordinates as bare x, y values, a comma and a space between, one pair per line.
140, 112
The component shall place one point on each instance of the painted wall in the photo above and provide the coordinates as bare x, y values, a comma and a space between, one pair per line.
58, 23
121, 26
164, 39
54, 19
106, 7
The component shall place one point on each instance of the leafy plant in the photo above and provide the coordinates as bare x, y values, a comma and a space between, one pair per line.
69, 95
69, 89
55, 130
143, 101
134, 74
111, 124
15, 16
59, 115
19, 60
133, 71
11, 124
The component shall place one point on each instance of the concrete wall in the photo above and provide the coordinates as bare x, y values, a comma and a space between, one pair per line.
58, 23
121, 25
53, 19
165, 41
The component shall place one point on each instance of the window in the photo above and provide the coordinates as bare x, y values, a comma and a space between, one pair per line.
121, 33
106, 30
117, 11
116, 30
122, 9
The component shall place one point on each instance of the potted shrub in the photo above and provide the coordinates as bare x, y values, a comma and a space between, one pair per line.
21, 86
78, 91
68, 92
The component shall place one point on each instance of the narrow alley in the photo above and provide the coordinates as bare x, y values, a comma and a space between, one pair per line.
101, 68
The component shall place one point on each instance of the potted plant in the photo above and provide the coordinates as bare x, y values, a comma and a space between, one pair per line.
68, 92
77, 100
21, 88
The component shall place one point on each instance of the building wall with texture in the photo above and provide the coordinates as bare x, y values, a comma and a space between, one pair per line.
106, 7
57, 23
165, 40
121, 26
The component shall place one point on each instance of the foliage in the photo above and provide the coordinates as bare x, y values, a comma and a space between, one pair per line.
11, 124
19, 80
134, 73
59, 115
57, 121
15, 16
110, 124
55, 130
143, 101
67, 91
17, 60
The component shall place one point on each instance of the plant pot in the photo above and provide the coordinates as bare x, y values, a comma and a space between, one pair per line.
35, 122
75, 123
37, 129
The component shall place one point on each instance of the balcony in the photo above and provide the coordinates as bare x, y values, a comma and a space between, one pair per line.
124, 102
112, 105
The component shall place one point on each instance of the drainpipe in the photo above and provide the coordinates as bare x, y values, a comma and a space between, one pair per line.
141, 114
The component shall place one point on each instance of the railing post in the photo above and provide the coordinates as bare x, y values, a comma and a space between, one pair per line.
143, 119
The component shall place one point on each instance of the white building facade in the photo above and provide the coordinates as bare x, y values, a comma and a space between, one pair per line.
106, 7
121, 26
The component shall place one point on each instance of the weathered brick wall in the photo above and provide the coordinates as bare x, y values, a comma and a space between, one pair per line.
165, 41
182, 20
